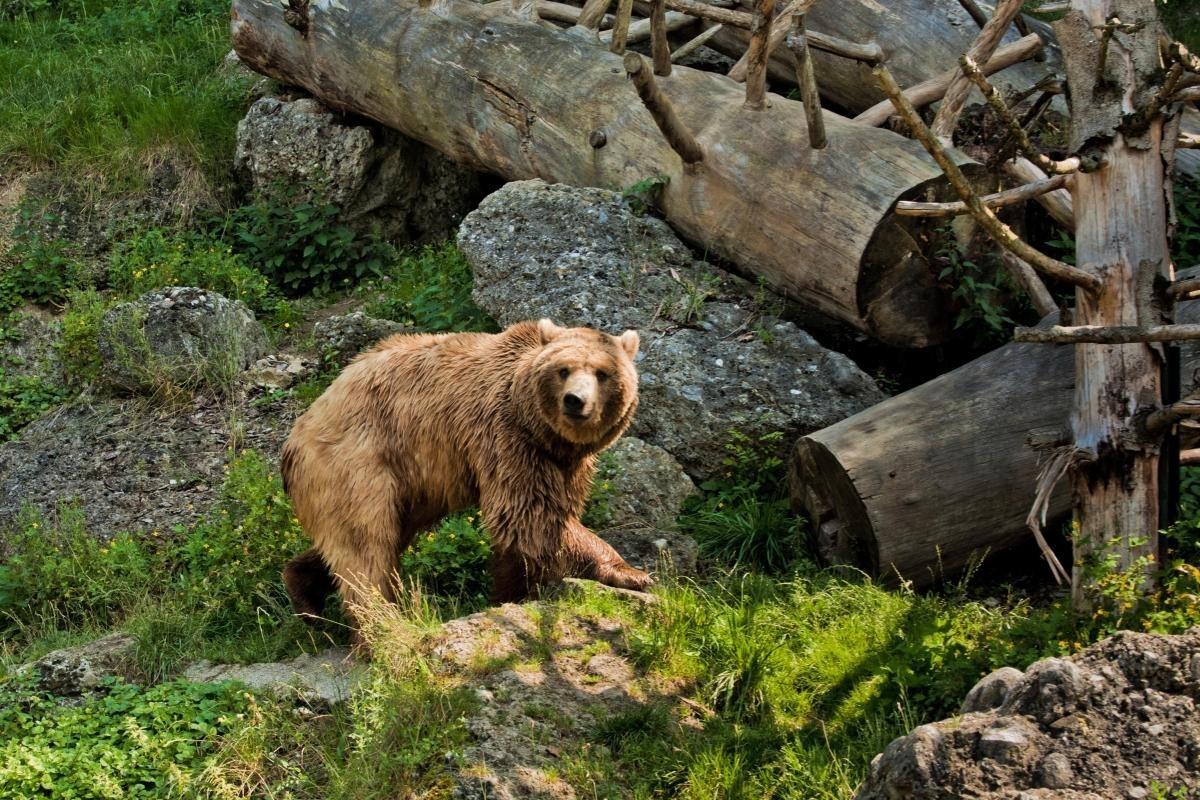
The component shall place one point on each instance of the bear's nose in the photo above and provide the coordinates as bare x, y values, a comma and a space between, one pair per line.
573, 403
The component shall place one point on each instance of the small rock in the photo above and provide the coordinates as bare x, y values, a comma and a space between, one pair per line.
991, 691
341, 338
1137, 792
75, 670
322, 679
1004, 744
1055, 771
276, 371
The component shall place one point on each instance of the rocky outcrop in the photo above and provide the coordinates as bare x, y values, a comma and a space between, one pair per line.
1118, 720
340, 338
379, 179
713, 358
130, 468
180, 336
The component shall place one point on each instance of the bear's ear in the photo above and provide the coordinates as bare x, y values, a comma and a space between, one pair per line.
549, 331
629, 343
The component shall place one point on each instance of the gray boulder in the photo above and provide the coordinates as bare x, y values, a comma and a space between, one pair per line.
322, 680
340, 338
713, 360
75, 670
380, 179
180, 336
1109, 722
644, 485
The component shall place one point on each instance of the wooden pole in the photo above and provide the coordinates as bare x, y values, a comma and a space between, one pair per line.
695, 43
980, 51
593, 14
1008, 197
620, 29
1057, 202
756, 56
1121, 222
660, 108
660, 49
807, 81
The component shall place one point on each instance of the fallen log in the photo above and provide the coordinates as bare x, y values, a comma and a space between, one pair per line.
916, 487
523, 100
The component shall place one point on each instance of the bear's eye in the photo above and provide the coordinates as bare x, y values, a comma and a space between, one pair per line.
601, 375
563, 373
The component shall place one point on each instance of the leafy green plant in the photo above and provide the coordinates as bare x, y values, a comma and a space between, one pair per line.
294, 236
431, 290
24, 398
39, 269
153, 259
125, 741
452, 559
645, 194
743, 517
976, 298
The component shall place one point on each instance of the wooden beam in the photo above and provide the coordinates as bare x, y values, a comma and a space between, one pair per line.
807, 81
660, 49
1108, 334
757, 54
980, 51
620, 29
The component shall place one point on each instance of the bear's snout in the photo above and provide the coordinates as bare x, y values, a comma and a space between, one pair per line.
579, 395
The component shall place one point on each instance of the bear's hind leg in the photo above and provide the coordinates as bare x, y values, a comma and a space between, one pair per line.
308, 583
369, 571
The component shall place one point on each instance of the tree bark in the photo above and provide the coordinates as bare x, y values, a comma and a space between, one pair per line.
522, 100
1120, 234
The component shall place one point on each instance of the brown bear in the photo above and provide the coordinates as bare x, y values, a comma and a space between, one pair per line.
427, 424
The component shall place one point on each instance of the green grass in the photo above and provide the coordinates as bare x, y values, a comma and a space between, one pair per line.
106, 88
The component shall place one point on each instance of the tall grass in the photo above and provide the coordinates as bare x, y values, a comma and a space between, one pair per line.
108, 88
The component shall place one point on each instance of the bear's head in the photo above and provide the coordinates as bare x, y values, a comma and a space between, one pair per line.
585, 382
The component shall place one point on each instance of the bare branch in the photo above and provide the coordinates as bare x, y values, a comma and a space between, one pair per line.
639, 31
1108, 334
869, 53
972, 71
1027, 278
1181, 290
1188, 141
1000, 233
725, 16
593, 14
1057, 202
695, 43
1049, 476
807, 81
1189, 95
1008, 197
1159, 421
779, 30
980, 51
660, 108
1189, 458
932, 90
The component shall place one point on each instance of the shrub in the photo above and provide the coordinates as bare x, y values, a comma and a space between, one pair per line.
743, 517
79, 346
24, 398
452, 560
154, 259
430, 289
294, 236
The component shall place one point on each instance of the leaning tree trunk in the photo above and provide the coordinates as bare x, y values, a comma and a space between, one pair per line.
1121, 236
514, 97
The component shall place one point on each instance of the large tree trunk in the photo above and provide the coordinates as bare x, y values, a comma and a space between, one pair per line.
1120, 234
523, 100
918, 485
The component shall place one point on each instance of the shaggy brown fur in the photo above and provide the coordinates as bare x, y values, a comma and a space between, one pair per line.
424, 425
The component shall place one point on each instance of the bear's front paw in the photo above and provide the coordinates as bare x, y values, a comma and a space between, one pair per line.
623, 576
